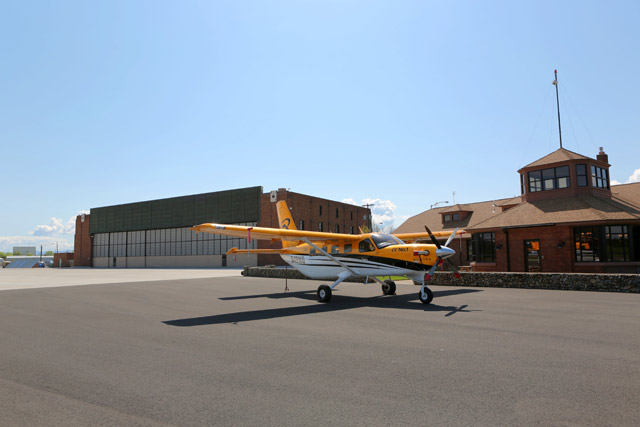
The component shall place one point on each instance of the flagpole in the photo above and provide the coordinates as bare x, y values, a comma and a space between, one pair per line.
555, 83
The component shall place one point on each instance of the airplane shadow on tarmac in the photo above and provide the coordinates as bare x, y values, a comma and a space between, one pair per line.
338, 302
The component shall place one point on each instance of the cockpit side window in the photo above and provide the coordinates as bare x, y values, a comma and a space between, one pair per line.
366, 246
384, 240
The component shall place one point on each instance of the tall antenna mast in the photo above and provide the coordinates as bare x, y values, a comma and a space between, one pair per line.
555, 83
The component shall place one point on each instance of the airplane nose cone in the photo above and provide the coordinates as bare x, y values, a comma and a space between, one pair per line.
445, 252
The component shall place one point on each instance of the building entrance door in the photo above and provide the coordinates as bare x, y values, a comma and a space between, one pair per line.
532, 256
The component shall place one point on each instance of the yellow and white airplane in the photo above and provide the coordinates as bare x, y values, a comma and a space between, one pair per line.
320, 255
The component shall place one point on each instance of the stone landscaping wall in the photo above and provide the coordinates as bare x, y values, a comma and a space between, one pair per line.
558, 281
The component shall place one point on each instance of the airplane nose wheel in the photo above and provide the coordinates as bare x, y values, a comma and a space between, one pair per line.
427, 297
324, 293
389, 287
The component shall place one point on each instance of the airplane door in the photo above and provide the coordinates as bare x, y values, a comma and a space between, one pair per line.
532, 256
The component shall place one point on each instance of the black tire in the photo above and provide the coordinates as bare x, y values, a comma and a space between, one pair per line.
429, 296
389, 287
324, 293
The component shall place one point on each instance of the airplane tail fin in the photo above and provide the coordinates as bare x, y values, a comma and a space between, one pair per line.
285, 220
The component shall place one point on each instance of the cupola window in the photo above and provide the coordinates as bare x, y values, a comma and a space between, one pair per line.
581, 173
599, 177
549, 179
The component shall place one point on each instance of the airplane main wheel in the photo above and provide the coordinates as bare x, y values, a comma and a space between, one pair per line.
324, 293
389, 287
429, 297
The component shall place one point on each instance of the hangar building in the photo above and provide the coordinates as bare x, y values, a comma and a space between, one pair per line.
156, 233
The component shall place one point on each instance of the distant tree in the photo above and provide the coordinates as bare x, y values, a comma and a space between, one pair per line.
17, 253
380, 228
365, 229
3, 255
29, 254
48, 253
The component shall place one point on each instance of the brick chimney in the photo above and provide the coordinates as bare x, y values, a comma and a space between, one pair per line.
602, 156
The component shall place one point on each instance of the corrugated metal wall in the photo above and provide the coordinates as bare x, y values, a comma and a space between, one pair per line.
232, 206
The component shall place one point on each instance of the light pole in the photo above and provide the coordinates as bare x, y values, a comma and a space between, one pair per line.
438, 203
370, 219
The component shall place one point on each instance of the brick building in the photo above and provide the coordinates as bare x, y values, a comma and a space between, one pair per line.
569, 218
156, 233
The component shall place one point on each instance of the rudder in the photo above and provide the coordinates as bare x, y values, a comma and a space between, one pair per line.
285, 220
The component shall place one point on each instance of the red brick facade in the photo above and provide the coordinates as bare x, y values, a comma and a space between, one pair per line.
82, 243
63, 259
348, 218
556, 251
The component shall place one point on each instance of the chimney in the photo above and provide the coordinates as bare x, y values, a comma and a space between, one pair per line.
602, 157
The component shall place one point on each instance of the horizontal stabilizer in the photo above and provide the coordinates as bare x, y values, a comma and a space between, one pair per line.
236, 251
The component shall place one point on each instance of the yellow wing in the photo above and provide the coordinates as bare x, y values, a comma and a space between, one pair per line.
266, 233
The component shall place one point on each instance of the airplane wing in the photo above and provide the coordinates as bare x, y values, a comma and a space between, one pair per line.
266, 233
412, 237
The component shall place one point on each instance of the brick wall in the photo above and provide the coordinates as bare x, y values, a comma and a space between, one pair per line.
554, 257
307, 209
82, 242
63, 259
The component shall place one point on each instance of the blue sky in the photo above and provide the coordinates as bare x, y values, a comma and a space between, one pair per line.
405, 102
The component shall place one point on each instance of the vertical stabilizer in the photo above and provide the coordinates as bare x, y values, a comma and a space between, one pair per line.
285, 220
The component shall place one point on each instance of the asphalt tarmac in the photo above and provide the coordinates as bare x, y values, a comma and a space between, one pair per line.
240, 351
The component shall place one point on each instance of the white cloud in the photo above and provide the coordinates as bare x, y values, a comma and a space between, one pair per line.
635, 176
57, 226
382, 211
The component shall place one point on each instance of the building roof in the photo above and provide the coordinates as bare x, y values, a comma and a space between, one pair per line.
560, 155
511, 202
433, 217
624, 205
629, 193
457, 208
19, 261
583, 208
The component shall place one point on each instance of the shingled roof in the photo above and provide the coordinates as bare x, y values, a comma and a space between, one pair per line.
624, 205
433, 217
584, 208
560, 155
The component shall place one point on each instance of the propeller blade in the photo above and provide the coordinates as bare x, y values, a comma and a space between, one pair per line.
452, 267
451, 237
432, 270
433, 238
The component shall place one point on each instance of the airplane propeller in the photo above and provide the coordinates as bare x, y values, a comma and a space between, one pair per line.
442, 252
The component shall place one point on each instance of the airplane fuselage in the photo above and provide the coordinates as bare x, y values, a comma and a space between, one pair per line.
396, 260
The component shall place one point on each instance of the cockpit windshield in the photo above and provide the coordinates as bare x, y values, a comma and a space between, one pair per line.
384, 240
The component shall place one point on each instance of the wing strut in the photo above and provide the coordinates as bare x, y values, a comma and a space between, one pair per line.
341, 276
336, 260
